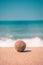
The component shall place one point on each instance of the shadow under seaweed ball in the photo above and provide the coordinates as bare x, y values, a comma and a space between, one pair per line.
20, 45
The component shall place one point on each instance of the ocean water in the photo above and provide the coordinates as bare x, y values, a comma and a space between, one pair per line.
30, 32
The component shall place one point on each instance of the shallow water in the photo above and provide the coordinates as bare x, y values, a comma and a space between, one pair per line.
29, 31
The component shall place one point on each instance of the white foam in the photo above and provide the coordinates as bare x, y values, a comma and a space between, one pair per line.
32, 42
6, 42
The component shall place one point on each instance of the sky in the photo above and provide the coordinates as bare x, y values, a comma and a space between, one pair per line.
21, 9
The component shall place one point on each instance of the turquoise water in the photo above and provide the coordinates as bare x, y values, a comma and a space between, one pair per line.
21, 29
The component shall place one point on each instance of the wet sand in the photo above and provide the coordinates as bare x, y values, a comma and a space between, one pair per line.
31, 56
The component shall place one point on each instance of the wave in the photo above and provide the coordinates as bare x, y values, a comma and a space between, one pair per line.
30, 42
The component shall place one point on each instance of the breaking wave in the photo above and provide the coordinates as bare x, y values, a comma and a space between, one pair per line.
30, 42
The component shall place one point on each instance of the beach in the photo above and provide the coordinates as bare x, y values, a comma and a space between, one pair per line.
31, 56
21, 32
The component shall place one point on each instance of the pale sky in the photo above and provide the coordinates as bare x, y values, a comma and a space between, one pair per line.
21, 9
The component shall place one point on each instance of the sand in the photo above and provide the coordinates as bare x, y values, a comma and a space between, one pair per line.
32, 56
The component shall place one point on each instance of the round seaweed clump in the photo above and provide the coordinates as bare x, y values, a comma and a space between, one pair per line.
20, 45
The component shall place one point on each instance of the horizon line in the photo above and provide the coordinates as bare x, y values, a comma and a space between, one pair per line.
21, 20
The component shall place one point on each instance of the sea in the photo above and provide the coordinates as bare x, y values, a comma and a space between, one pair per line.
31, 32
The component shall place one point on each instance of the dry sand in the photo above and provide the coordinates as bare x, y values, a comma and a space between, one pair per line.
32, 56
